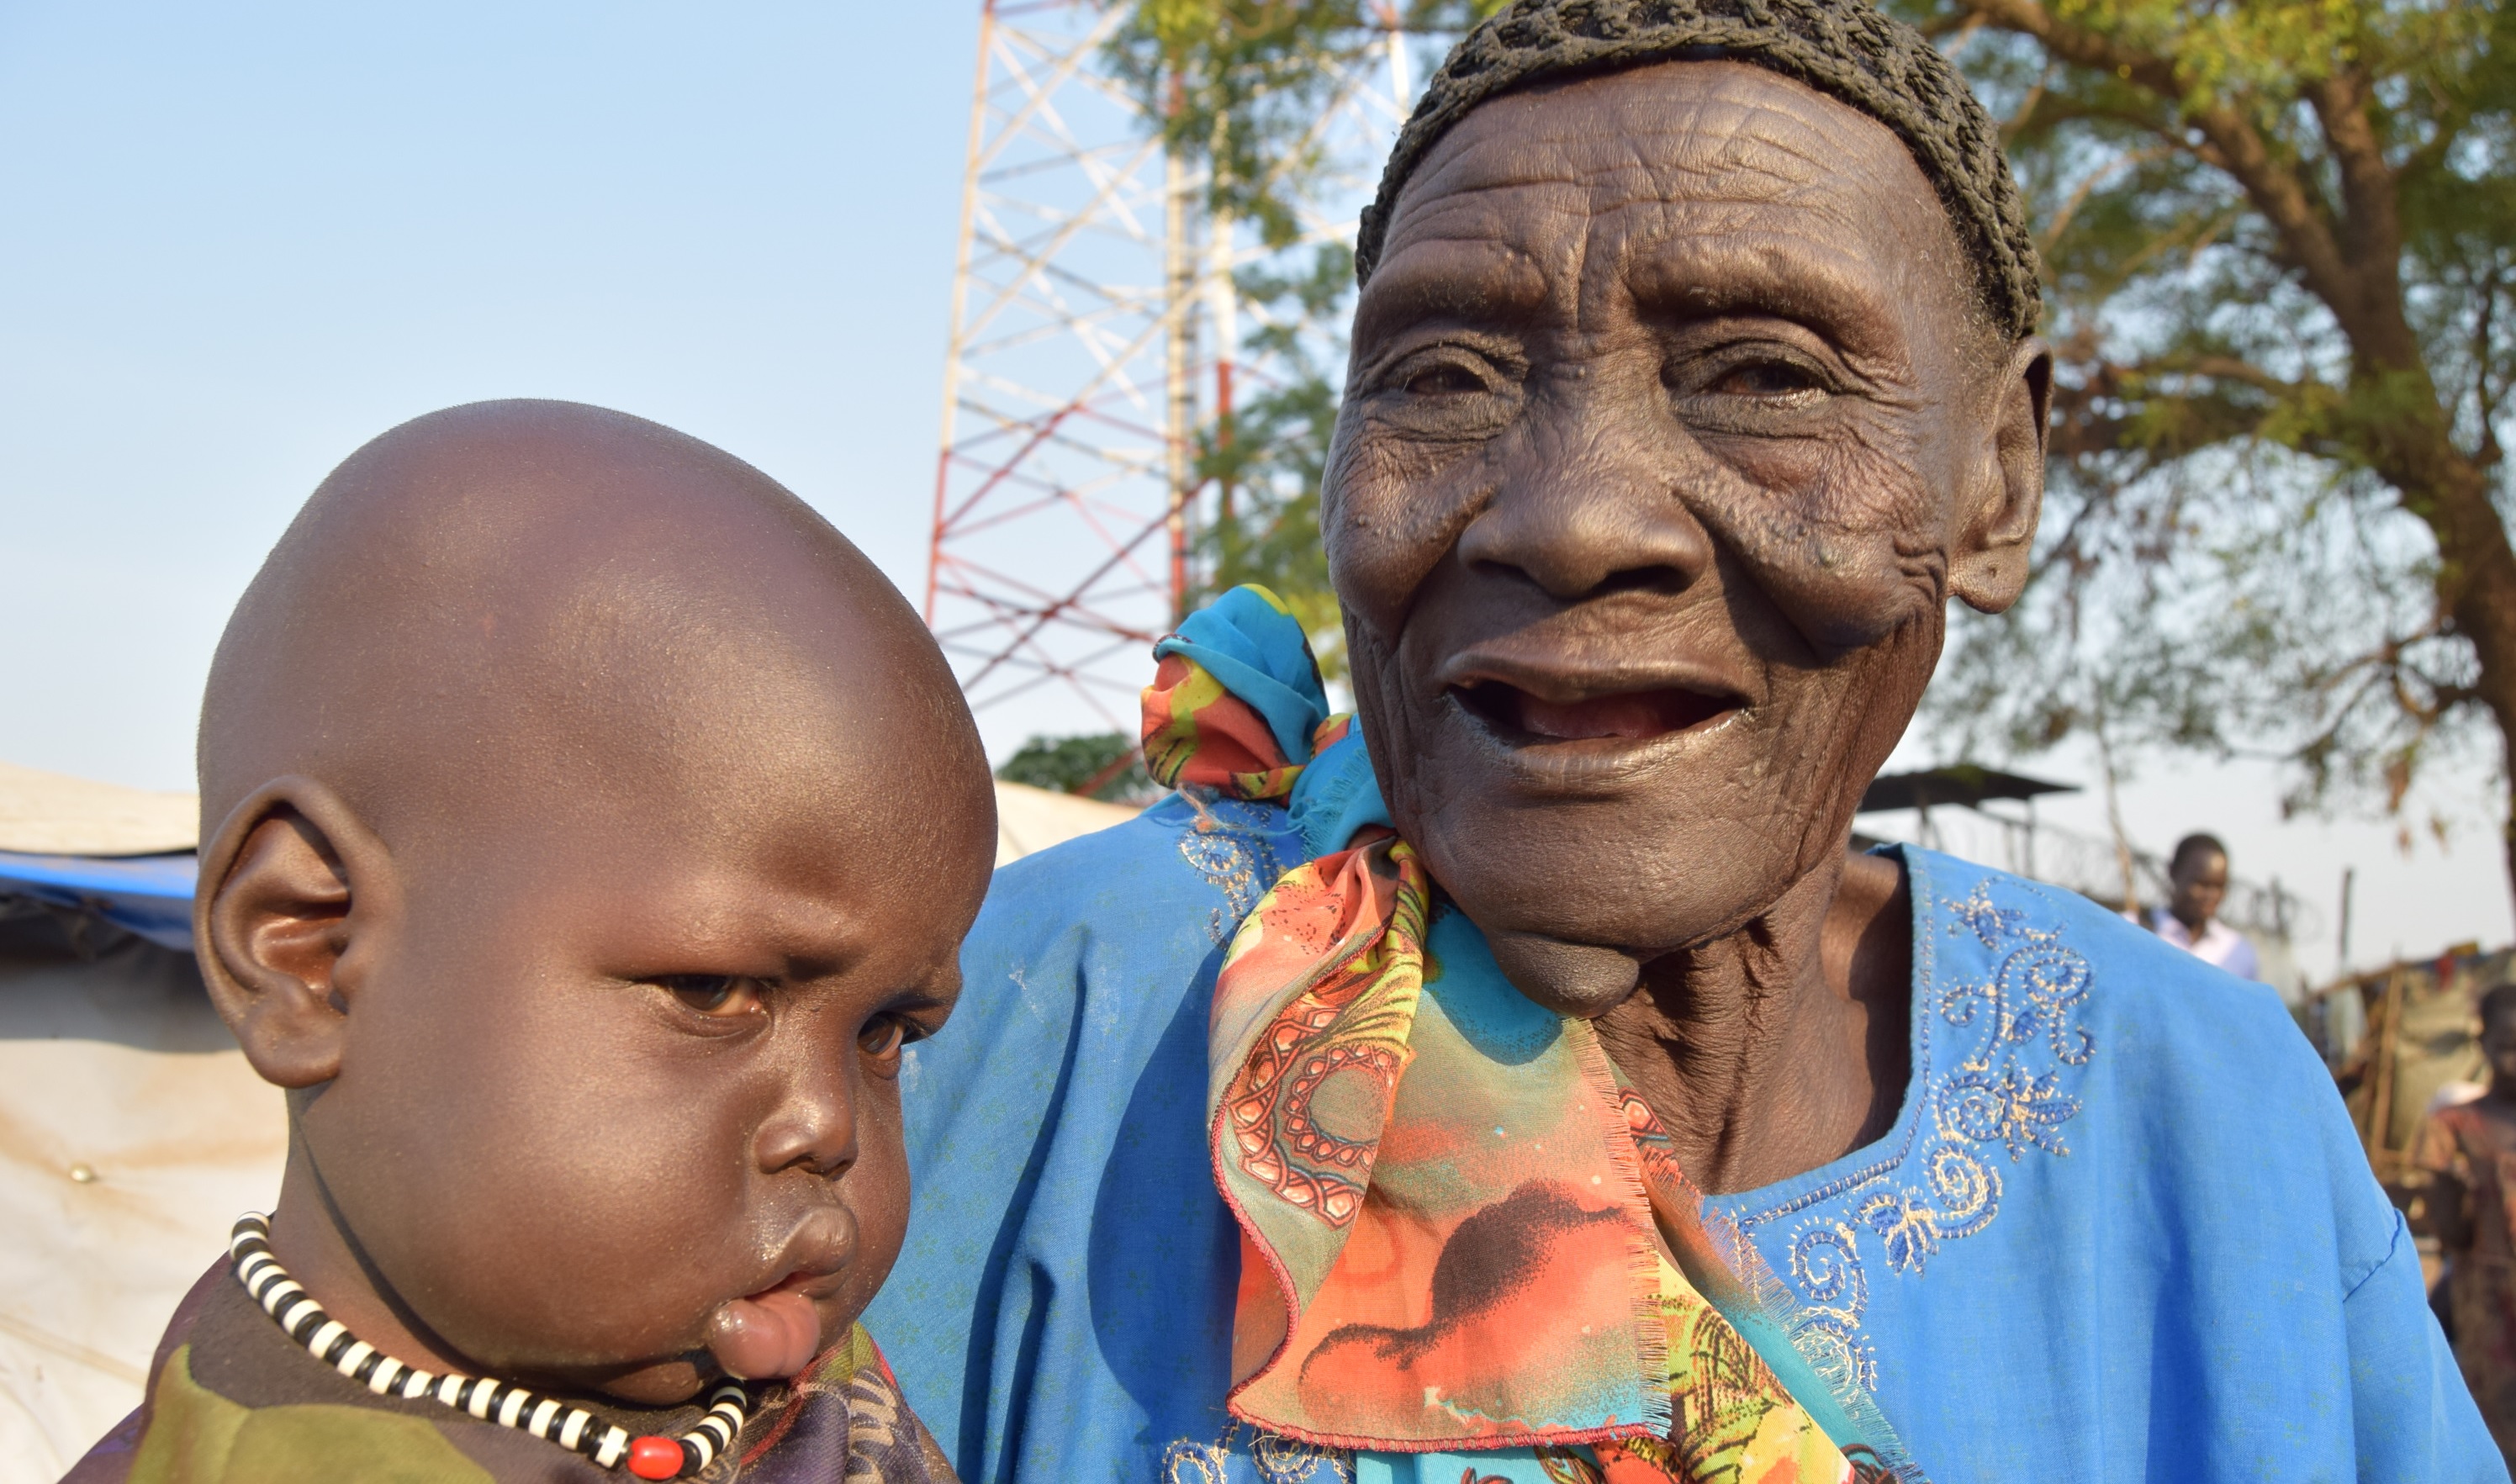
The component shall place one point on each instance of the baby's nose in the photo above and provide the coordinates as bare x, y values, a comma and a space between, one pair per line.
813, 1129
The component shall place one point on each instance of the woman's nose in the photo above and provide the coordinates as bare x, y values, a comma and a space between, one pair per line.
1590, 505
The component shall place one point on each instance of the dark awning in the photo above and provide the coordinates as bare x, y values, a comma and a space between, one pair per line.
1962, 783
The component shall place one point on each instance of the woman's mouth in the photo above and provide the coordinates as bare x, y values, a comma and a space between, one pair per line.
1524, 720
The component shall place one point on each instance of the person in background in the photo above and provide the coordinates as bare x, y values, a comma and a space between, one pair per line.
2469, 1151
2197, 874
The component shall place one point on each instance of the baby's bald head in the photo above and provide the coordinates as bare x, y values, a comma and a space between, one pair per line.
587, 826
510, 597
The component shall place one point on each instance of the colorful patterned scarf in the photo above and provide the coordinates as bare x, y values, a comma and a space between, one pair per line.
1460, 1230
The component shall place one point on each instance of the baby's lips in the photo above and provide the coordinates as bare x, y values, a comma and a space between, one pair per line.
776, 1333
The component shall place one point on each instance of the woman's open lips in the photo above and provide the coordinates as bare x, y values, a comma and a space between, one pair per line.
1527, 720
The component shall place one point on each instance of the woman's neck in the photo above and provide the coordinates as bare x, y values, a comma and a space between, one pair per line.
1784, 1045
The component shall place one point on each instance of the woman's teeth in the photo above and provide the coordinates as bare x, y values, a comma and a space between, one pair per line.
1630, 716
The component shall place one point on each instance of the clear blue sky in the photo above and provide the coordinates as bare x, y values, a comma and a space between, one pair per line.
240, 240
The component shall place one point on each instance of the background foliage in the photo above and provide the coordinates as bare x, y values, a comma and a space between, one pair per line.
2281, 243
1100, 765
2279, 240
1235, 85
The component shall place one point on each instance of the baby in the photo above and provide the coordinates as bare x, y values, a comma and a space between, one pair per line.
587, 828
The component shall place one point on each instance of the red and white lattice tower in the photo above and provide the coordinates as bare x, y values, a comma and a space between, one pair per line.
1095, 333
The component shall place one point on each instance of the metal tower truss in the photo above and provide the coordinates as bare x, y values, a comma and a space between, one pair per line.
1095, 338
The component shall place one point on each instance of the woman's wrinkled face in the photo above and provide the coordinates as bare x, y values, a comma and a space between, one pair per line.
1671, 426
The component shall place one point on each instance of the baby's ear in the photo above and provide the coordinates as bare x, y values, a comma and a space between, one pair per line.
289, 886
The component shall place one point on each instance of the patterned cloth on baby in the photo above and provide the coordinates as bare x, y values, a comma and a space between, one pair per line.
232, 1400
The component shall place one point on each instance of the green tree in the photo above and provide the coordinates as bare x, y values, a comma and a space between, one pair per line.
1267, 455
1098, 766
2280, 240
1237, 85
2281, 243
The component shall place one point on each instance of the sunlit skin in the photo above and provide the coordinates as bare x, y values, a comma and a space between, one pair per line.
2198, 883
592, 827
1672, 426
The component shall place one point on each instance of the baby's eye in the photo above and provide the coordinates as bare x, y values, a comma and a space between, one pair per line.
713, 994
883, 1037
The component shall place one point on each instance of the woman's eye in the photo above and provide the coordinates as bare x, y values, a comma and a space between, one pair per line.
713, 994
883, 1037
1443, 381
1766, 379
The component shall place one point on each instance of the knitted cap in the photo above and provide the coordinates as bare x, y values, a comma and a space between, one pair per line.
1842, 48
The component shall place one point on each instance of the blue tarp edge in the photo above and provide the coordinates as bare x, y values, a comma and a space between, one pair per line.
150, 895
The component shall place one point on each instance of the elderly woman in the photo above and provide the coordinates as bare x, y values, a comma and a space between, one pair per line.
1523, 1083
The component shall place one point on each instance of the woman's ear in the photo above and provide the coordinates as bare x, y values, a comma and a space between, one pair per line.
1987, 566
291, 884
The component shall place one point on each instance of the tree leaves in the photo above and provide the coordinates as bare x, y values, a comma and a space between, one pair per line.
2280, 246
1236, 87
2280, 243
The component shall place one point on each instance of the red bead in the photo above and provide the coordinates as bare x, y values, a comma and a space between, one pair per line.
655, 1458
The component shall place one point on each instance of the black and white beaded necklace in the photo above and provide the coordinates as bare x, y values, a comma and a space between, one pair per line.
508, 1405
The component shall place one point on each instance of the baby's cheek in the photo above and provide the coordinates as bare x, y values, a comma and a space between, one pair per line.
876, 1189
574, 1245
676, 1191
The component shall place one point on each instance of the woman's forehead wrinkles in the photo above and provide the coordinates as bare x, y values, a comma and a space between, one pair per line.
1709, 117
1498, 196
1833, 286
1727, 147
1464, 273
1587, 184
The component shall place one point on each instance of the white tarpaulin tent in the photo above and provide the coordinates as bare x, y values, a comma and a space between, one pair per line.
55, 814
131, 1129
1030, 820
131, 1134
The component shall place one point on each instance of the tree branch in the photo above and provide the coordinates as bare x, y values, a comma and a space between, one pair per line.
2026, 106
2485, 406
2228, 368
2281, 192
2129, 159
2371, 220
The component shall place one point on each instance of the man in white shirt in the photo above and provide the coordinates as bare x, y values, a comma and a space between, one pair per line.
2197, 873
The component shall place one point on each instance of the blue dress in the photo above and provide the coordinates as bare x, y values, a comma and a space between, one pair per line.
2121, 1230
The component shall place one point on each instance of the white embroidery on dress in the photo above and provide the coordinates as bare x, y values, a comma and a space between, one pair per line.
1275, 1460
1227, 844
2019, 1030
